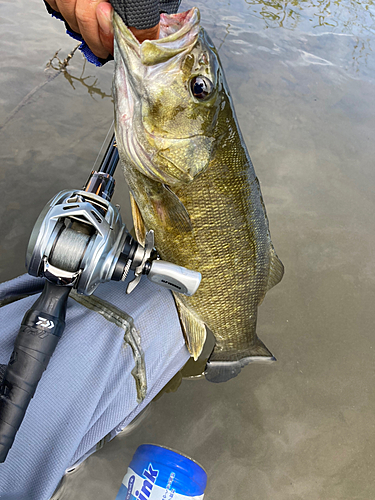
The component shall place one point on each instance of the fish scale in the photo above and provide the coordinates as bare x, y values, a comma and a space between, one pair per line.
195, 186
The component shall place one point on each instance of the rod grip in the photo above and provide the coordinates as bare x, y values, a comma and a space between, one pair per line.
40, 331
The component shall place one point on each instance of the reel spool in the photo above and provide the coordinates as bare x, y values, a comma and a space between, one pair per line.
77, 241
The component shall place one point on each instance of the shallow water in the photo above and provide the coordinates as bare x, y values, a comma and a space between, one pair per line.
302, 78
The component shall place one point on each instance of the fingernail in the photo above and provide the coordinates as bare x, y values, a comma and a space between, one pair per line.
105, 22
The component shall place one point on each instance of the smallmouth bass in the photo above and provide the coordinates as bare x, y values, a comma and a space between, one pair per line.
192, 181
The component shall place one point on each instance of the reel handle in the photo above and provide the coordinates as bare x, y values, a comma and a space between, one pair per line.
41, 329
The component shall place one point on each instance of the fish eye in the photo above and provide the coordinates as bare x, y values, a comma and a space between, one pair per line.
201, 87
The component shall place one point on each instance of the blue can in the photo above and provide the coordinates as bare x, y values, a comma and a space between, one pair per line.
158, 473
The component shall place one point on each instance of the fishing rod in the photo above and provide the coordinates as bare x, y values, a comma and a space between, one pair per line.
78, 241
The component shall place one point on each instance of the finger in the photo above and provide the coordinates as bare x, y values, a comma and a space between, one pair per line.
67, 10
89, 26
104, 13
53, 5
146, 34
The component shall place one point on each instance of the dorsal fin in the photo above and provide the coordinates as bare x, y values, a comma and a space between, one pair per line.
276, 270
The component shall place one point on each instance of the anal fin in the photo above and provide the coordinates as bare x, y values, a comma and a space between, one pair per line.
193, 328
224, 365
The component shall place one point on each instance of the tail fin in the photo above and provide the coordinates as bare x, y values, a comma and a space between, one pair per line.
223, 366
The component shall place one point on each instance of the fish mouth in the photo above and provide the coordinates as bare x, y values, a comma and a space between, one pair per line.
173, 28
172, 23
178, 33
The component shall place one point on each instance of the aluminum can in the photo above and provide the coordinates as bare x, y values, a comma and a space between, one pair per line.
158, 473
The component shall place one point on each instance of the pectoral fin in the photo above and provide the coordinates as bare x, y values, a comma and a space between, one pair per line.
193, 328
169, 210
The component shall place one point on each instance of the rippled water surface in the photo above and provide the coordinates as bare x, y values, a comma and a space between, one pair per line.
302, 77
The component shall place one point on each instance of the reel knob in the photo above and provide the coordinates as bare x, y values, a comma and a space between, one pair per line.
176, 278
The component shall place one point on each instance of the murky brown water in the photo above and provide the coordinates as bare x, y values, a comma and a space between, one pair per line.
302, 77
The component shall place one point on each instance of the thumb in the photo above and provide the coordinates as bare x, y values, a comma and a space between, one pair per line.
104, 13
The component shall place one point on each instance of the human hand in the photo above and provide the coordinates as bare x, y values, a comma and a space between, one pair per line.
93, 20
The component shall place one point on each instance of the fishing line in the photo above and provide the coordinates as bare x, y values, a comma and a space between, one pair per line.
104, 144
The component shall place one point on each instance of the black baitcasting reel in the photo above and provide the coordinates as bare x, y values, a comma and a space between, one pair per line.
78, 241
